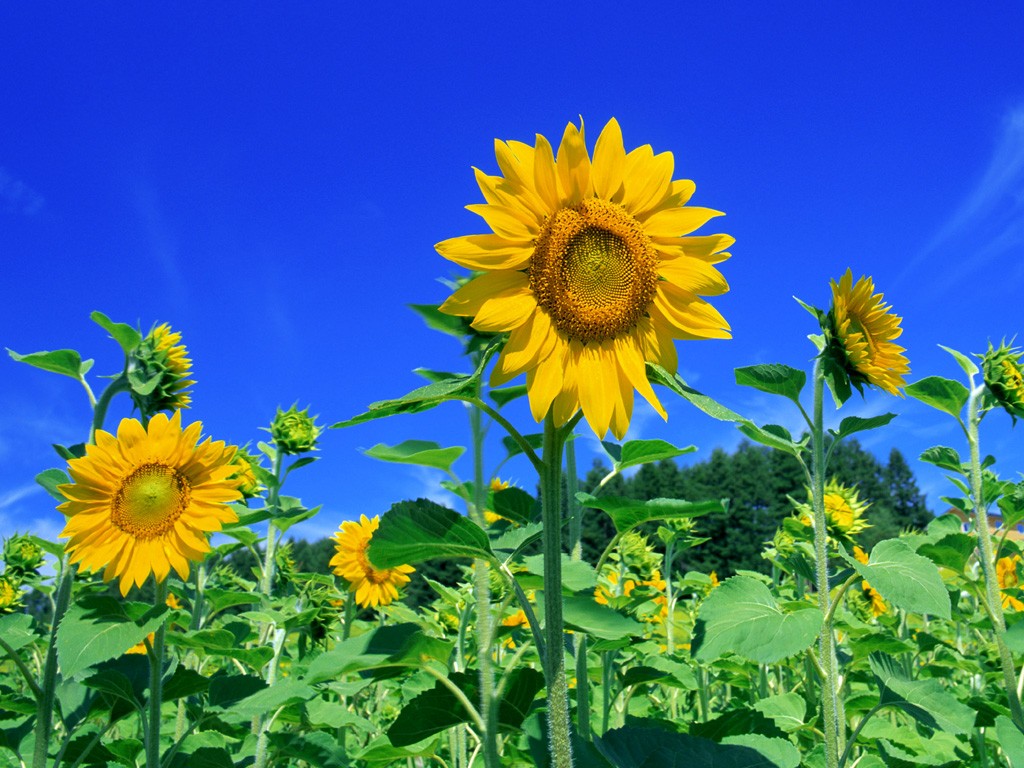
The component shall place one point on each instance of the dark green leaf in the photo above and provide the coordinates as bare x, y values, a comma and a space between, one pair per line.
514, 504
773, 378
633, 453
943, 457
651, 747
924, 700
50, 479
439, 321
413, 531
420, 452
852, 424
583, 614
626, 514
185, 682
506, 395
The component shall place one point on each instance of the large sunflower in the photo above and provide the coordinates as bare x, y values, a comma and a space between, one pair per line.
143, 502
862, 329
588, 272
372, 586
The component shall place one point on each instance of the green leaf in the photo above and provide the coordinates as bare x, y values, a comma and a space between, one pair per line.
778, 752
654, 747
413, 531
280, 694
952, 551
1011, 741
308, 748
577, 575
788, 710
852, 424
294, 516
420, 452
944, 394
50, 479
535, 441
965, 362
123, 334
906, 579
112, 682
381, 754
633, 453
439, 321
91, 632
772, 435
185, 682
673, 381
16, 630
924, 700
389, 646
63, 361
514, 504
773, 378
506, 395
626, 514
743, 617
583, 614
943, 457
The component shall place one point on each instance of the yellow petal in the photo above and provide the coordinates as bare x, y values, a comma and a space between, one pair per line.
630, 357
498, 190
509, 309
509, 223
706, 247
691, 316
567, 402
609, 161
466, 301
694, 275
527, 346
678, 221
573, 165
598, 385
545, 177
647, 178
544, 382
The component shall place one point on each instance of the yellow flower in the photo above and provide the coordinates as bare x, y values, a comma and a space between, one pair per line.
713, 576
1006, 573
143, 502
245, 474
1004, 378
10, 595
517, 619
876, 602
162, 357
490, 516
140, 647
588, 272
844, 510
372, 586
862, 330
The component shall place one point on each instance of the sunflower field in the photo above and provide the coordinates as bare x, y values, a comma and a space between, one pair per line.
130, 641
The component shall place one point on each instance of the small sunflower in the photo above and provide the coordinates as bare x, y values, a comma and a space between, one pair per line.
372, 586
1006, 574
844, 511
10, 595
159, 371
1004, 378
142, 502
876, 602
590, 270
861, 330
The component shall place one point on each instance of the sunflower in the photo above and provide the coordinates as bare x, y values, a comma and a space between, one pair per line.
876, 602
10, 595
1006, 574
372, 586
158, 371
861, 330
143, 502
1004, 378
588, 271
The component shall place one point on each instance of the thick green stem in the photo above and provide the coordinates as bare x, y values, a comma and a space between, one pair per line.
554, 631
44, 721
269, 563
832, 714
156, 683
263, 739
99, 411
988, 559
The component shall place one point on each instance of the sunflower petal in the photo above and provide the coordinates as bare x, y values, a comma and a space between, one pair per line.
573, 165
609, 161
468, 299
678, 221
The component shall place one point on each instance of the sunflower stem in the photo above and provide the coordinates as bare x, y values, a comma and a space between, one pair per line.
44, 721
988, 555
832, 715
99, 411
554, 631
269, 563
156, 678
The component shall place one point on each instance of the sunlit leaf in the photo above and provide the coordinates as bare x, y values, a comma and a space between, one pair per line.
413, 531
420, 452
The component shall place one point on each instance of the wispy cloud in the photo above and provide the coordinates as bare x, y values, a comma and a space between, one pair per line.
9, 498
988, 223
17, 197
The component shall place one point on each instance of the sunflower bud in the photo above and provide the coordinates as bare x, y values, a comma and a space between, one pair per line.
1004, 378
294, 431
22, 555
158, 371
245, 473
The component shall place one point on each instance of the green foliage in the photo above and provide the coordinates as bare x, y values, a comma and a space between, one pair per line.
411, 532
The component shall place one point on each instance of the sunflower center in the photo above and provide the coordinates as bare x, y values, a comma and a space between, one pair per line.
150, 500
594, 270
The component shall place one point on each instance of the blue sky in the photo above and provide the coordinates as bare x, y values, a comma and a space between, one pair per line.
271, 179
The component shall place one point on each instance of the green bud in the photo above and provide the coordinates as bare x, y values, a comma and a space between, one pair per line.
294, 431
22, 555
1004, 378
246, 473
158, 372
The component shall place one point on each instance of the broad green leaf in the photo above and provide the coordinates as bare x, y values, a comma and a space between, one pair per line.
577, 575
1011, 505
64, 361
294, 516
654, 747
772, 435
852, 424
779, 752
507, 394
514, 504
626, 514
788, 710
381, 754
741, 616
583, 614
943, 457
430, 375
927, 701
437, 320
86, 636
413, 531
50, 479
203, 757
634, 453
952, 551
311, 748
114, 683
712, 408
16, 630
735, 722
185, 682
1011, 741
123, 334
906, 579
944, 394
516, 539
965, 362
227, 689
420, 452
334, 714
280, 694
773, 378
391, 645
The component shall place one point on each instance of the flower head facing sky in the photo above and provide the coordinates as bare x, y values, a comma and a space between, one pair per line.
861, 330
142, 502
591, 270
371, 586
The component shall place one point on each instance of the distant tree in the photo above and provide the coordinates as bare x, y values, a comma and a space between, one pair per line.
908, 503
